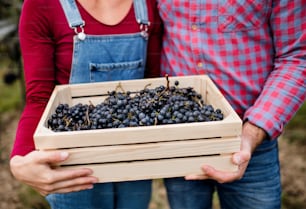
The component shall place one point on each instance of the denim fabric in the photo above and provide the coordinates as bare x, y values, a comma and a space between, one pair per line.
260, 188
72, 13
105, 58
108, 58
121, 195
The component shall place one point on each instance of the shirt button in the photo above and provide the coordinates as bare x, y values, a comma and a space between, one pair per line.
194, 27
200, 64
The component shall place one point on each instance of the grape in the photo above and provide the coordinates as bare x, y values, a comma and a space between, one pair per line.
162, 105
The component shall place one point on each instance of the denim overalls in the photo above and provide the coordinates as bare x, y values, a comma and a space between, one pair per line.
106, 58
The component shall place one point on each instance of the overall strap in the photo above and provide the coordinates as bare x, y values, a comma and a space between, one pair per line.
72, 13
141, 12
75, 20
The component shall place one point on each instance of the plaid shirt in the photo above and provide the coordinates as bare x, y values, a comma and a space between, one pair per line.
254, 51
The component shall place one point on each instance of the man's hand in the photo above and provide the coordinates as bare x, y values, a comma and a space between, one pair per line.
251, 137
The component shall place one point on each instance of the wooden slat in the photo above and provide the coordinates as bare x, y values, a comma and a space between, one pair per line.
59, 95
89, 100
152, 169
158, 150
132, 85
145, 134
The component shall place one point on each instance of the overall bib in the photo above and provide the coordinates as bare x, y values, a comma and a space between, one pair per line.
99, 58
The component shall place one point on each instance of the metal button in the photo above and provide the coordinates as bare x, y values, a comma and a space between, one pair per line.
194, 27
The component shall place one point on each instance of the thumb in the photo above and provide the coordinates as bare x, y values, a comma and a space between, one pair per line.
50, 157
241, 157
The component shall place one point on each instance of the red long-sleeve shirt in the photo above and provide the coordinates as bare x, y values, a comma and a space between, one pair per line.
47, 45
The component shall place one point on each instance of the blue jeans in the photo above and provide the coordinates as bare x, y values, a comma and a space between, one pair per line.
121, 195
260, 188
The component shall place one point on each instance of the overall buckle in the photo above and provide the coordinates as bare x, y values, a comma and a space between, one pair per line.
79, 31
144, 29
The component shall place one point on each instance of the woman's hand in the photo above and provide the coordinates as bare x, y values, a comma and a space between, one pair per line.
251, 137
35, 169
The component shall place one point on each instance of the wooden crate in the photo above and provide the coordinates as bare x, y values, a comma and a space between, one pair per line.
145, 152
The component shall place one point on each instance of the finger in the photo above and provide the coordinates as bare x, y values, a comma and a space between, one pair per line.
60, 175
220, 176
87, 180
77, 181
49, 157
64, 181
75, 188
76, 184
241, 157
196, 177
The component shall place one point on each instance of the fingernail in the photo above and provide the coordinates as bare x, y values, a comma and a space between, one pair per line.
64, 155
190, 177
95, 181
90, 187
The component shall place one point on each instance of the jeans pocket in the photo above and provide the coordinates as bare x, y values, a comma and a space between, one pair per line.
116, 71
241, 15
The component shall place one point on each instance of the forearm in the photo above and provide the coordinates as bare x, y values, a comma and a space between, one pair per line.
24, 142
284, 90
252, 136
39, 72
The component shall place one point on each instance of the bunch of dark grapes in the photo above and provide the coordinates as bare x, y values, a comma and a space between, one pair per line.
156, 106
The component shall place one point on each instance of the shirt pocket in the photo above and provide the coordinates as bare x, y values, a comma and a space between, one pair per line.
116, 71
241, 15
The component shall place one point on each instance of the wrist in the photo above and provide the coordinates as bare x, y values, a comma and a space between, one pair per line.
15, 165
253, 135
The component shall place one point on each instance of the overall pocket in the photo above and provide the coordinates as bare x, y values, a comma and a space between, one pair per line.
241, 15
116, 71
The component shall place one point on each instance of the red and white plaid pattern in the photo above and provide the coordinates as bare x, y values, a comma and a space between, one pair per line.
254, 50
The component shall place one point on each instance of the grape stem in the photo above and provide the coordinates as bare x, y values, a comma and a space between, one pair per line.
87, 116
168, 82
146, 86
120, 86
